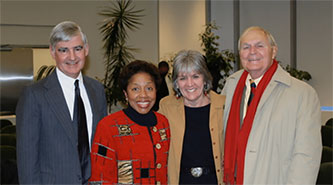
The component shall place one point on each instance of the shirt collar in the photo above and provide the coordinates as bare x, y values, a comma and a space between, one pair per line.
256, 81
66, 80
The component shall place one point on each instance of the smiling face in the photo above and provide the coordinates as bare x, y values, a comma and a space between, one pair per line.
141, 92
191, 85
70, 55
256, 52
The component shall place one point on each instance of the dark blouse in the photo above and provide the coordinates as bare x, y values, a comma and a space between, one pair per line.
197, 147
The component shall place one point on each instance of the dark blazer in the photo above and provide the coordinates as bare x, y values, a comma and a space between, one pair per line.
46, 137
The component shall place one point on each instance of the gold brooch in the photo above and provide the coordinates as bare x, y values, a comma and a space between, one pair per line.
124, 130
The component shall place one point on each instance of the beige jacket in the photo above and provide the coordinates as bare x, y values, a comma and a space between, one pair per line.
173, 109
284, 145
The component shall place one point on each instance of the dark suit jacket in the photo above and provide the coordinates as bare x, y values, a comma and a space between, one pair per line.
46, 137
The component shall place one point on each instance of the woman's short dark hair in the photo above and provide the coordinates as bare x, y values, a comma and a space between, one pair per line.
135, 67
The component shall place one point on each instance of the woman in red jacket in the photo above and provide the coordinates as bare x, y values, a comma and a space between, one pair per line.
131, 146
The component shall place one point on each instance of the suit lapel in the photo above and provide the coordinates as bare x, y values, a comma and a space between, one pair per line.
268, 91
56, 100
281, 77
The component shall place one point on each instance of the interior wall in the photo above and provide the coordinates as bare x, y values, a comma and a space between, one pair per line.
222, 14
272, 15
41, 57
13, 79
180, 23
314, 48
146, 38
42, 16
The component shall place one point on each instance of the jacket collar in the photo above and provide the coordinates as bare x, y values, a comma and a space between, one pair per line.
280, 77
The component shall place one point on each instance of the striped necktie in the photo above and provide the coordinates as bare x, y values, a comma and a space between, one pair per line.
253, 89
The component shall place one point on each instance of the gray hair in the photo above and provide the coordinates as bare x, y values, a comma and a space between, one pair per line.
187, 61
267, 33
65, 31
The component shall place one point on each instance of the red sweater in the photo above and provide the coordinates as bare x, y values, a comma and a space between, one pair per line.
127, 153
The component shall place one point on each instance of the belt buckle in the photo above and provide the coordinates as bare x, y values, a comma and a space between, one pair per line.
196, 171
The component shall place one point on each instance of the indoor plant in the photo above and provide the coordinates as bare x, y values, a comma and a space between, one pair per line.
120, 18
219, 63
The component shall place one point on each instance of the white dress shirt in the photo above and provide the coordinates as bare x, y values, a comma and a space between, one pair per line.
248, 91
68, 88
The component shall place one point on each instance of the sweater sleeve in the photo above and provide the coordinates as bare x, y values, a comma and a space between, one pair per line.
103, 155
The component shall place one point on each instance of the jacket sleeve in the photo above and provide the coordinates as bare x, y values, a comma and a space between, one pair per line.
103, 156
161, 109
28, 125
104, 102
305, 160
224, 90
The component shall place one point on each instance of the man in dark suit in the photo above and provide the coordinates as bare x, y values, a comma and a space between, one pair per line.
48, 140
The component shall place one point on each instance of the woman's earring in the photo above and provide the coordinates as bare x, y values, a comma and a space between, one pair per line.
205, 89
178, 93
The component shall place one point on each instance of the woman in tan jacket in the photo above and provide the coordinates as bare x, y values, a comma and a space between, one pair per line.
195, 115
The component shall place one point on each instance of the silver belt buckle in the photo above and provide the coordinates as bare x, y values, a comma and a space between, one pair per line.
196, 171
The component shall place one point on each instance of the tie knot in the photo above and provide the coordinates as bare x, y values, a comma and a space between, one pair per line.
76, 83
252, 83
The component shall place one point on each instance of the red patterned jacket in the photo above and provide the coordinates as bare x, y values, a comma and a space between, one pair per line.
126, 153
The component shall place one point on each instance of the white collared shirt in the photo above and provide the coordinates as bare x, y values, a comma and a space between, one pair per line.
68, 88
248, 91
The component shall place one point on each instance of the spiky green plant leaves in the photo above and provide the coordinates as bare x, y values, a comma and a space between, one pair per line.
120, 17
219, 63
